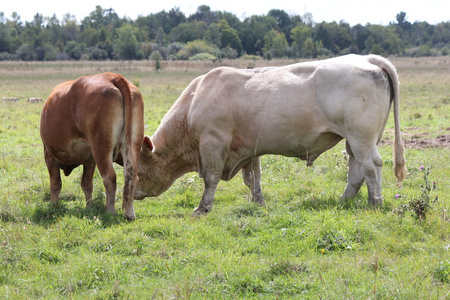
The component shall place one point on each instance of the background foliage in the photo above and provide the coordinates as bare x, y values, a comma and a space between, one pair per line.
103, 35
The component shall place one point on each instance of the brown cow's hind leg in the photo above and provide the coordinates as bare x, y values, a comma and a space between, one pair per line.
55, 177
86, 181
105, 167
130, 176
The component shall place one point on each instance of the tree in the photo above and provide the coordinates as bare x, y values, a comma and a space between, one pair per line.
204, 14
32, 34
309, 49
229, 36
213, 35
100, 18
102, 34
321, 33
393, 44
90, 36
360, 35
249, 40
334, 37
127, 45
402, 22
71, 30
188, 32
283, 21
175, 18
299, 34
276, 43
5, 36
258, 26
75, 50
146, 49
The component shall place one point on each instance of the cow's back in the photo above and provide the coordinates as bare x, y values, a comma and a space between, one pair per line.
298, 110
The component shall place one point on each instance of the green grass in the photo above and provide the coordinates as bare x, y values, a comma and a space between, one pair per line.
304, 244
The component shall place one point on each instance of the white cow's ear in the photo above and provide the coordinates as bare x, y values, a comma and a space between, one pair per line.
147, 143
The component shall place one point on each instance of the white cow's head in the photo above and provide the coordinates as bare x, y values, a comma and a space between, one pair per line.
154, 173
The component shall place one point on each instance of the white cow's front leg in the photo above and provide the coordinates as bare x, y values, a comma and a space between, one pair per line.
213, 160
207, 201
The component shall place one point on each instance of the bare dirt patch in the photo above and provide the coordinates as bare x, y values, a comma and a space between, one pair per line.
418, 138
442, 141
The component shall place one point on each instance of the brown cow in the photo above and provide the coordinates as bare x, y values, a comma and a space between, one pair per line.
94, 120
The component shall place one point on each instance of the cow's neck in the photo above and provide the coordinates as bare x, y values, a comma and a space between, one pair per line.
171, 144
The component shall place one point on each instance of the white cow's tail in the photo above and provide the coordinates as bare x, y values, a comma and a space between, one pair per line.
399, 159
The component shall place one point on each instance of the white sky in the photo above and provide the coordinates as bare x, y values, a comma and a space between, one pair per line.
351, 11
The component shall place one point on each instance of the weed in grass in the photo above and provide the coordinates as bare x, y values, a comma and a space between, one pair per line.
422, 204
286, 268
332, 241
442, 272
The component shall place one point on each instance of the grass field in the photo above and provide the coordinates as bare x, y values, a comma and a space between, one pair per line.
304, 244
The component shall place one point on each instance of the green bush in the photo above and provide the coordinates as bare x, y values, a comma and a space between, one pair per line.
203, 56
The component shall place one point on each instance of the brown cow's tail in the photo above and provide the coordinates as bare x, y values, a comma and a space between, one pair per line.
122, 84
130, 159
399, 159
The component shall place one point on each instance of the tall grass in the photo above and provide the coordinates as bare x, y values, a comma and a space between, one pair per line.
304, 243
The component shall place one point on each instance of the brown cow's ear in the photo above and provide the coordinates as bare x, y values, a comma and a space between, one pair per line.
147, 143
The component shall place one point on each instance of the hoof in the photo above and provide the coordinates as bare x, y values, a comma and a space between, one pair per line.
111, 210
376, 202
200, 210
130, 218
259, 200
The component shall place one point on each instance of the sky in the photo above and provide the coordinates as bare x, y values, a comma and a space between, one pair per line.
351, 11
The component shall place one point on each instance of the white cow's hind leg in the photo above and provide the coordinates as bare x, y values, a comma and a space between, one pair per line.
374, 174
369, 163
371, 169
252, 178
355, 179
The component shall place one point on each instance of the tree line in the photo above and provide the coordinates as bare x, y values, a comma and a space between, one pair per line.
209, 34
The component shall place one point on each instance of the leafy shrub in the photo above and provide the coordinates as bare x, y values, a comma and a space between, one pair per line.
251, 57
203, 56
156, 56
6, 56
193, 48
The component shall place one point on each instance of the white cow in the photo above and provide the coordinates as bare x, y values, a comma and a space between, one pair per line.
225, 120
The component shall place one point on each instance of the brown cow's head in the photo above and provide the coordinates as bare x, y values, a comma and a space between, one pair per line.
155, 175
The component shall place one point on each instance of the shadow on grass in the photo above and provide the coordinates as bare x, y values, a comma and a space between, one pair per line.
49, 213
320, 203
